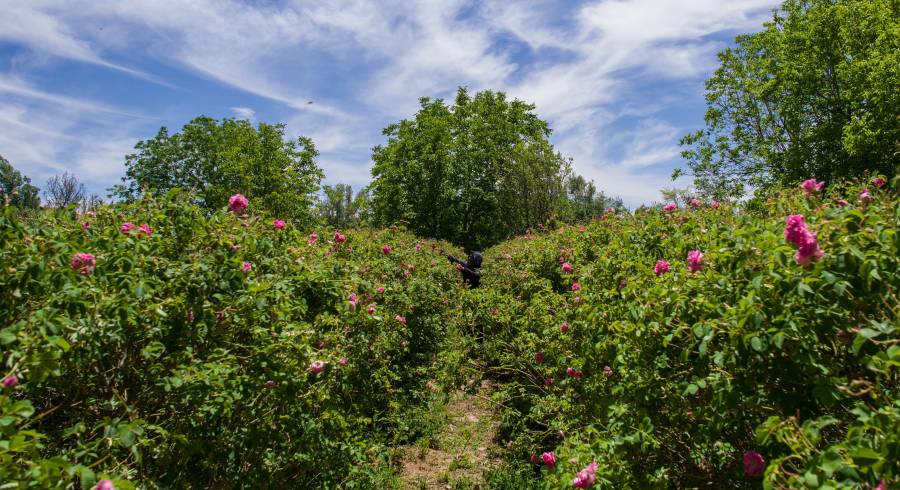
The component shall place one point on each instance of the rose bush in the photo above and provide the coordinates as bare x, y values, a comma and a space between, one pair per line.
749, 364
216, 350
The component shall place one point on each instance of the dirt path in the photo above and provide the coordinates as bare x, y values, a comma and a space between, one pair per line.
464, 451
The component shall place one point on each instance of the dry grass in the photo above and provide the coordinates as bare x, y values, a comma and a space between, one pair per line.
463, 452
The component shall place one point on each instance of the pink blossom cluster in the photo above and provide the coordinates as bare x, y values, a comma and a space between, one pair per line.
278, 224
105, 485
386, 249
661, 267
695, 203
10, 381
586, 477
238, 203
795, 231
576, 286
864, 196
879, 182
352, 302
538, 357
567, 267
339, 237
83, 263
401, 319
670, 207
811, 186
695, 261
316, 367
246, 267
564, 327
754, 463
573, 373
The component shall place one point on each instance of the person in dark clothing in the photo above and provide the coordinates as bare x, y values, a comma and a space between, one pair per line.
470, 269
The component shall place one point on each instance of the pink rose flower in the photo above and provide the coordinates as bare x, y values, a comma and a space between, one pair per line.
386, 249
494, 312
879, 182
811, 186
661, 267
278, 224
567, 267
220, 314
548, 381
714, 204
535, 459
371, 309
538, 357
313, 238
670, 207
105, 485
246, 267
549, 460
380, 290
754, 464
316, 366
581, 230
85, 226
607, 371
586, 477
342, 361
564, 327
126, 228
145, 229
353, 302
270, 384
339, 237
695, 260
238, 203
576, 286
83, 263
401, 319
10, 381
695, 203
572, 373
864, 196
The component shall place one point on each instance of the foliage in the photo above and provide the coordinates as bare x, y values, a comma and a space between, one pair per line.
583, 201
215, 159
340, 209
814, 94
472, 173
17, 188
667, 380
186, 356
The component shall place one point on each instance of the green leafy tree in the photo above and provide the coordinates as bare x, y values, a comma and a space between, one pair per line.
339, 208
216, 159
814, 94
473, 173
584, 201
17, 187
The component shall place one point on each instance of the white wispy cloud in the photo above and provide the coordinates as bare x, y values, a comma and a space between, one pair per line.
343, 68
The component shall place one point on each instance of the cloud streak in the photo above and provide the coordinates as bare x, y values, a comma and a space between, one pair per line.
612, 76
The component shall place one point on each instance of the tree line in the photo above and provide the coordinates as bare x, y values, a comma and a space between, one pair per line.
814, 94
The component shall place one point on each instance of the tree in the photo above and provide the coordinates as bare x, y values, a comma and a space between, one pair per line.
16, 187
216, 159
679, 196
472, 173
64, 190
584, 201
340, 208
813, 95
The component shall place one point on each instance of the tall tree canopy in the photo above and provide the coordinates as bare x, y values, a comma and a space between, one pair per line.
216, 159
473, 173
339, 208
17, 187
816, 93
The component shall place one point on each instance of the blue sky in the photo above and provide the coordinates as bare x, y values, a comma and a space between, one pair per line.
620, 81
